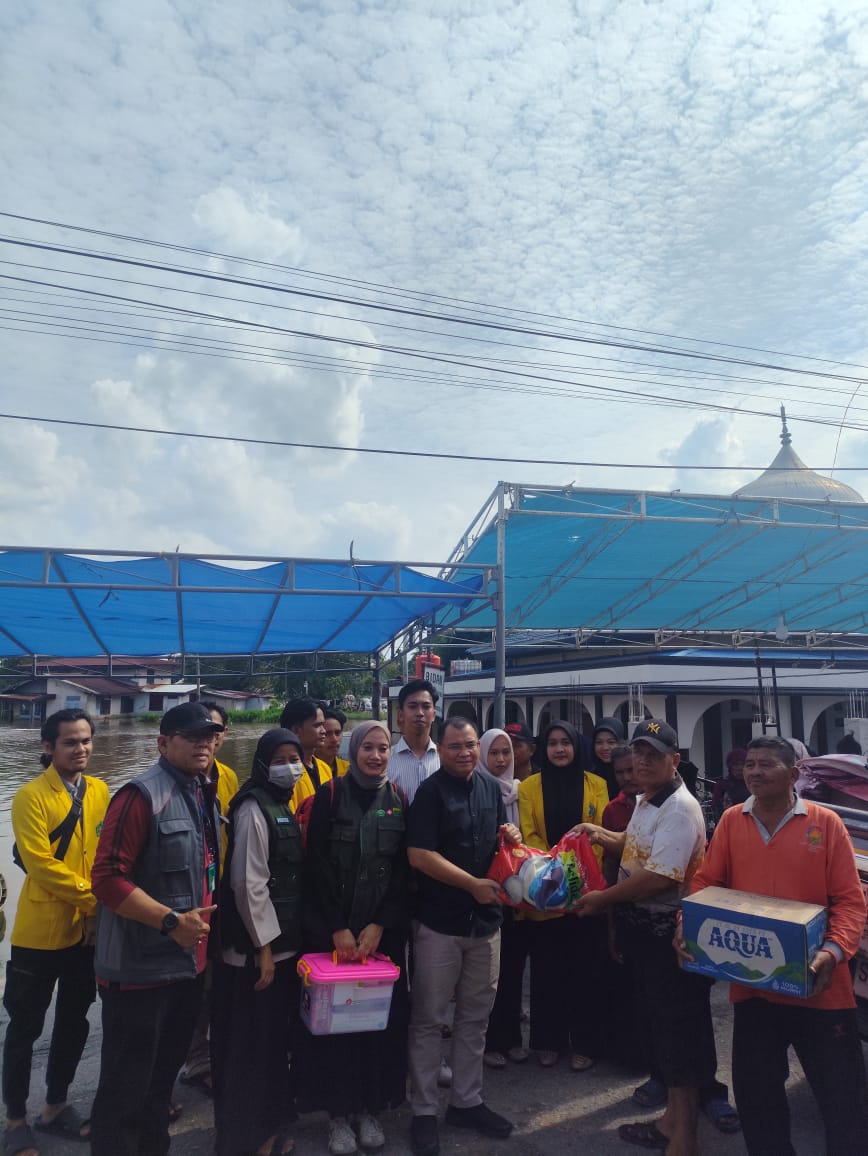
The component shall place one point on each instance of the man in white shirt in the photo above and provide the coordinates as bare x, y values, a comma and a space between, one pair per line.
414, 756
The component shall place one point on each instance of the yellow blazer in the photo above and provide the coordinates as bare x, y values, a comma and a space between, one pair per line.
227, 789
56, 895
531, 817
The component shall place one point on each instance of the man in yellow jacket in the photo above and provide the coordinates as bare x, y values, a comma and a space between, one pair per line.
56, 819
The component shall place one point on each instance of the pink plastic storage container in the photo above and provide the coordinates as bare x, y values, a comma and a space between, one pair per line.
346, 997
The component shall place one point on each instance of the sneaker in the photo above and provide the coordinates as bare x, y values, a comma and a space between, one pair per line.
494, 1060
371, 1135
424, 1137
444, 1076
342, 1139
481, 1119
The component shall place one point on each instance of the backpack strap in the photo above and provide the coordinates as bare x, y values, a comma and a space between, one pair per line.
64, 830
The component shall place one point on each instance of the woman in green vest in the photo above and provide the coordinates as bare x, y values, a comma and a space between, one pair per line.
256, 988
357, 906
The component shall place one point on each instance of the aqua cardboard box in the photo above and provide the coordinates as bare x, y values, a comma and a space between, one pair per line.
755, 940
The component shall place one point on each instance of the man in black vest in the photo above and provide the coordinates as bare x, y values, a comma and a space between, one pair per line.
155, 875
452, 831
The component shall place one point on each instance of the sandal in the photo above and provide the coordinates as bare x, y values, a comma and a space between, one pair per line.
723, 1116
494, 1060
517, 1055
651, 1094
19, 1140
547, 1059
581, 1063
67, 1124
645, 1134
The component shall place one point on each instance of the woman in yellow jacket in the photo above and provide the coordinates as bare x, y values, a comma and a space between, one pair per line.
567, 954
52, 934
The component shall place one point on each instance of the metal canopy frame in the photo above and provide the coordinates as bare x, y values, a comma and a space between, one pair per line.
618, 561
90, 584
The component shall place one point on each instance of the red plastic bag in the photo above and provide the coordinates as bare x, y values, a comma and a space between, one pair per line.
555, 880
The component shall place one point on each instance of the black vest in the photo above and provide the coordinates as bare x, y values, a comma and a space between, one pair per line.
362, 847
285, 857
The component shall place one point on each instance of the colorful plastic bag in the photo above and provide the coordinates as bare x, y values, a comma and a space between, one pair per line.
555, 880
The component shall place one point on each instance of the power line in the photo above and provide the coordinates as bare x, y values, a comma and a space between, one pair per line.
385, 452
418, 294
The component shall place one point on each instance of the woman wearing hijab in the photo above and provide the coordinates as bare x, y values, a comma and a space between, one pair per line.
503, 1038
358, 906
567, 955
608, 734
256, 993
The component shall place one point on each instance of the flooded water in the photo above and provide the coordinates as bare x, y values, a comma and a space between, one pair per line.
121, 749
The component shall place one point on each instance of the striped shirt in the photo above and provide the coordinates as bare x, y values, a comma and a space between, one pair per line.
407, 771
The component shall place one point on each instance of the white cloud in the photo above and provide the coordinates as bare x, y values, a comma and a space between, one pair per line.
680, 168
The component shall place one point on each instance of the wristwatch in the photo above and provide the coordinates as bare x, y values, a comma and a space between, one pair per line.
170, 922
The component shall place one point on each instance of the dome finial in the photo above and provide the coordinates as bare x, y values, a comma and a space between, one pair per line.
785, 433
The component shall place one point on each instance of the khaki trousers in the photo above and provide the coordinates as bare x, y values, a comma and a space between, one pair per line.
447, 965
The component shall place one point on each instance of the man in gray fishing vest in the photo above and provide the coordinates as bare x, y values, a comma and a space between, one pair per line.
154, 876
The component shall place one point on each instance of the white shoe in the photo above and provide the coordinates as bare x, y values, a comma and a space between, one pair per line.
371, 1135
342, 1139
444, 1076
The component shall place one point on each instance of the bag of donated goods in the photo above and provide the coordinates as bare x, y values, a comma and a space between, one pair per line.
555, 880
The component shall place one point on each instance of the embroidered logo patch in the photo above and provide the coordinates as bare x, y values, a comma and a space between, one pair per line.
814, 838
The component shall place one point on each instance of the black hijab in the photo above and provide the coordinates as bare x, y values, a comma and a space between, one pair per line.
265, 749
563, 788
605, 770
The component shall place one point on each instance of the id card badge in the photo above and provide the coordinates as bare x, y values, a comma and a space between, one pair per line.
211, 877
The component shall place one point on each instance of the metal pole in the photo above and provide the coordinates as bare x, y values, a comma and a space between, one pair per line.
375, 692
500, 614
777, 700
759, 682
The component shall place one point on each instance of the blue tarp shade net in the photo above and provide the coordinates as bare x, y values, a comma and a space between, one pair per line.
621, 561
38, 617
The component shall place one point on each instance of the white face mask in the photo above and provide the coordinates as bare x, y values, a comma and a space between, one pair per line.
285, 775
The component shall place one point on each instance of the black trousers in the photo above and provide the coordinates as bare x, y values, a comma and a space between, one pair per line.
31, 975
675, 1006
145, 1036
828, 1046
567, 961
504, 1024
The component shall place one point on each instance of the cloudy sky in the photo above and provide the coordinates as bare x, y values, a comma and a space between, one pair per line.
613, 171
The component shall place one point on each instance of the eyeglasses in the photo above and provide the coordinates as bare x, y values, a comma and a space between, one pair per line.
194, 737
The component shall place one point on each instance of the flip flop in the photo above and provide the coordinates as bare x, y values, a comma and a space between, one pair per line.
580, 1063
651, 1094
723, 1116
645, 1134
67, 1124
19, 1140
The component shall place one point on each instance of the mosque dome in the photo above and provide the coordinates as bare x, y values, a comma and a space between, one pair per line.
789, 477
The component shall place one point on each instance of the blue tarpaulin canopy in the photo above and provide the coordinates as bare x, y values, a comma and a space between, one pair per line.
616, 560
91, 603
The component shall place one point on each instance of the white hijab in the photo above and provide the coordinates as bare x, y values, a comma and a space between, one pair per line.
507, 783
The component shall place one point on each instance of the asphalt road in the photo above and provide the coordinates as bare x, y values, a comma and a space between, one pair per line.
555, 1111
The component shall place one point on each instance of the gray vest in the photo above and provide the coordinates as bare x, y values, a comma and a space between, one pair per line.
171, 869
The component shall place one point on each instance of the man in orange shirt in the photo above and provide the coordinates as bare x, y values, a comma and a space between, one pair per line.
778, 844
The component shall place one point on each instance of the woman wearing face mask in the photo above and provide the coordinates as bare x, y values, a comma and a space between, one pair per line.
256, 995
567, 954
357, 906
503, 1038
608, 733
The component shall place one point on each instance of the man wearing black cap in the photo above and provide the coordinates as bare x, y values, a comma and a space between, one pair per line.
523, 750
660, 851
154, 875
